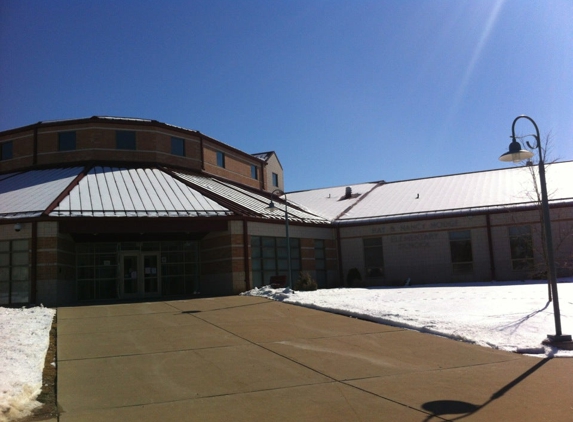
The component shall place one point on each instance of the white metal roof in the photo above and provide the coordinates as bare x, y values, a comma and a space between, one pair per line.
29, 193
331, 202
142, 192
463, 192
252, 201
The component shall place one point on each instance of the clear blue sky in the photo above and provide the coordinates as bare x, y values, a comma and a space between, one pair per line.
344, 91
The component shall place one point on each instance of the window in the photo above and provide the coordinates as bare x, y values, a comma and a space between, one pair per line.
373, 257
14, 272
221, 159
461, 251
269, 258
6, 151
178, 146
66, 141
521, 245
254, 172
125, 139
320, 263
275, 180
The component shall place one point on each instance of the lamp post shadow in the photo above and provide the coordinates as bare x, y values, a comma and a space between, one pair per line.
465, 409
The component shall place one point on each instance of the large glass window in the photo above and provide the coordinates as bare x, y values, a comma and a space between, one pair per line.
178, 146
521, 245
14, 272
6, 151
99, 268
320, 263
373, 257
461, 251
125, 139
66, 141
269, 257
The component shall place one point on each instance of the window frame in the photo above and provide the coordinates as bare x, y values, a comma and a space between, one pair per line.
6, 151
275, 180
177, 146
269, 258
373, 265
126, 140
521, 237
65, 141
221, 159
460, 250
254, 172
15, 270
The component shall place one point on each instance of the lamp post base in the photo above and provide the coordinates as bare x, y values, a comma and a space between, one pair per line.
562, 341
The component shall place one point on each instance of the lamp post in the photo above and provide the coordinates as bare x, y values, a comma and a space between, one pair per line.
272, 207
516, 154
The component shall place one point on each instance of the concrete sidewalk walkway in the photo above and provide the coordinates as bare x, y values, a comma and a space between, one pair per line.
250, 359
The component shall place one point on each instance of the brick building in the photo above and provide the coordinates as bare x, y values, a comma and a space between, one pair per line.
106, 209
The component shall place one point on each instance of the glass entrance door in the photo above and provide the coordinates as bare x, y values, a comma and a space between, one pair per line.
140, 274
150, 274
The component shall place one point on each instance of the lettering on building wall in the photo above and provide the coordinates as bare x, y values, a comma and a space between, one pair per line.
416, 227
413, 241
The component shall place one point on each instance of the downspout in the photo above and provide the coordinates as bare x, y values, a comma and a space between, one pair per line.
247, 262
201, 152
34, 263
490, 247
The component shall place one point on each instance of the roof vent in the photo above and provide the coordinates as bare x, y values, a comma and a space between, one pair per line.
348, 193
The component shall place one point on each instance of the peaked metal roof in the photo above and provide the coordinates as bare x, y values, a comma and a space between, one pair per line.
449, 195
30, 193
252, 201
139, 192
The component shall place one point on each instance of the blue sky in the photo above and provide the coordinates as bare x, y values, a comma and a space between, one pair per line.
344, 91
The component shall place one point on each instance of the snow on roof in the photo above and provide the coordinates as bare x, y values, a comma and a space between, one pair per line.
29, 193
263, 155
140, 192
504, 188
331, 202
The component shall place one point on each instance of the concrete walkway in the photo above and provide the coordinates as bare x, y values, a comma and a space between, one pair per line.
250, 359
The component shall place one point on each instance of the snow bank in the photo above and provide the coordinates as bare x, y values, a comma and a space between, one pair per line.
514, 316
24, 340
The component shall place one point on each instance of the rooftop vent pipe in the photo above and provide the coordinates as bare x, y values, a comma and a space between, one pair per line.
348, 193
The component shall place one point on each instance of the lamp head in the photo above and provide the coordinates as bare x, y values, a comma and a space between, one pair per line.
515, 153
272, 207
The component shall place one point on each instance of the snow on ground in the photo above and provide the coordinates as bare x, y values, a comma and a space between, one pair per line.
515, 316
509, 316
24, 341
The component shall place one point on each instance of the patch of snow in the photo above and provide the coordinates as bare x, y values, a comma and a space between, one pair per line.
514, 316
24, 339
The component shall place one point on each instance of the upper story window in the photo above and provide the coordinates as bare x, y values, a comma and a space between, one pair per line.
177, 146
66, 141
221, 159
275, 180
254, 172
125, 139
6, 151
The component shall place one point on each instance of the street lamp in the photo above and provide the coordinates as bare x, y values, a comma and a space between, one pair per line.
516, 154
272, 207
